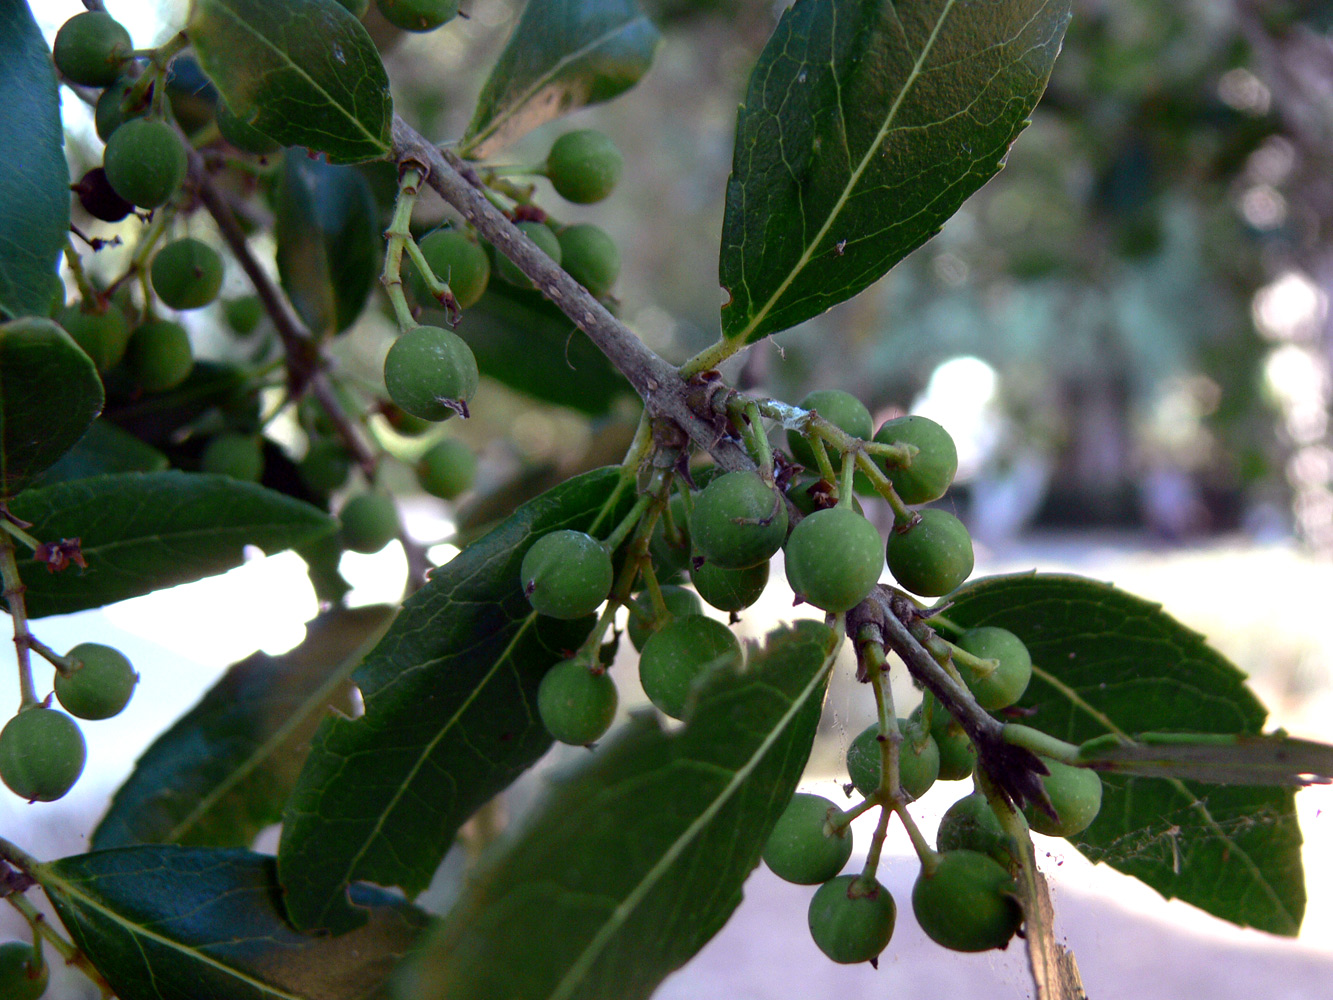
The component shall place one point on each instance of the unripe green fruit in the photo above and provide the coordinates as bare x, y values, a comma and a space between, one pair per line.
738, 521
91, 48
42, 754
679, 603
918, 759
958, 756
838, 407
159, 355
447, 469
357, 8
799, 850
576, 705
847, 925
1076, 794
590, 257
187, 274
418, 15
243, 314
679, 653
369, 522
540, 234
242, 135
1007, 682
325, 466
970, 824
145, 162
20, 977
566, 574
101, 686
240, 456
458, 262
431, 372
109, 114
584, 166
931, 469
729, 589
932, 556
102, 335
833, 559
967, 902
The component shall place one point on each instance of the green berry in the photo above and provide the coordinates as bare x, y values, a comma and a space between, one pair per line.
159, 355
932, 556
242, 135
243, 314
966, 902
418, 15
590, 257
447, 469
738, 521
931, 470
918, 759
800, 849
840, 408
21, 977
457, 261
1076, 794
576, 705
240, 456
729, 589
91, 48
566, 574
41, 754
584, 166
100, 686
971, 824
849, 921
145, 162
834, 559
369, 522
679, 603
357, 8
103, 334
680, 652
325, 466
110, 114
1006, 683
958, 756
431, 373
547, 243
187, 274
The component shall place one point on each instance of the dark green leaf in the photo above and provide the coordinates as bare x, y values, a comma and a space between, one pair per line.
1106, 662
142, 531
222, 773
49, 394
637, 859
563, 55
1269, 759
302, 71
105, 448
866, 125
328, 242
34, 179
450, 715
189, 923
158, 418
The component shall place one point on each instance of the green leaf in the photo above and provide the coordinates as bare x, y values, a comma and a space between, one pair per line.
34, 180
158, 418
522, 340
49, 394
105, 448
450, 715
1107, 662
167, 923
142, 531
302, 71
222, 773
328, 242
563, 55
1268, 759
866, 125
638, 858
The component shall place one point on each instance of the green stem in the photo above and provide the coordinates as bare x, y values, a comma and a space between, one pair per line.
399, 234
927, 855
86, 290
19, 533
848, 476
13, 594
627, 523
902, 514
881, 834
848, 815
1040, 743
709, 358
43, 929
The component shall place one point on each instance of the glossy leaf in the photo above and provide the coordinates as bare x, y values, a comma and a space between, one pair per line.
328, 242
450, 716
167, 923
1106, 661
34, 178
142, 531
1268, 759
49, 394
104, 448
563, 55
302, 71
865, 126
222, 773
637, 859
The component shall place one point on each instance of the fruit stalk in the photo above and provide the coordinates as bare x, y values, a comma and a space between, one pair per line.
13, 592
